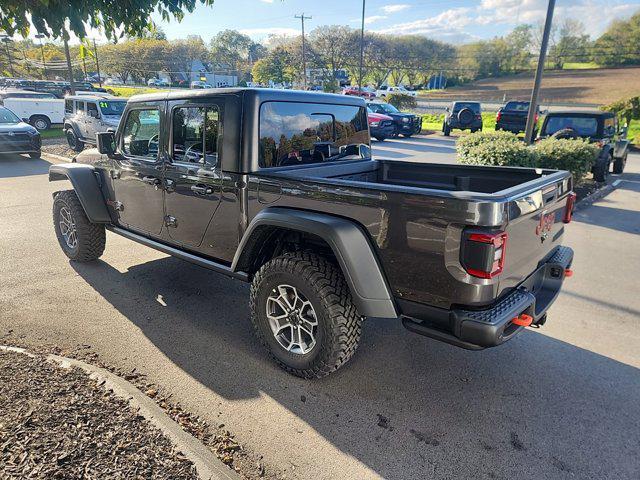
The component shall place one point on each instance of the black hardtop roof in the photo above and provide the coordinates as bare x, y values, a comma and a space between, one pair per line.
581, 113
261, 94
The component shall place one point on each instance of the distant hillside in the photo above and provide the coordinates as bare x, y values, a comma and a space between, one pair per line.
597, 86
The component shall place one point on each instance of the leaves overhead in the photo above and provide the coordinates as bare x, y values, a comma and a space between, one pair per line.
57, 18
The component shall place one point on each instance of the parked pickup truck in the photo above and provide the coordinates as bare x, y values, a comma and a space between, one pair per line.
279, 189
512, 117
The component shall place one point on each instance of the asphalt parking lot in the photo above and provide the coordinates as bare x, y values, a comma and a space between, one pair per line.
559, 402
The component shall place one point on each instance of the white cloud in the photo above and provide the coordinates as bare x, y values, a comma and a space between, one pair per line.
267, 1
449, 21
394, 8
373, 19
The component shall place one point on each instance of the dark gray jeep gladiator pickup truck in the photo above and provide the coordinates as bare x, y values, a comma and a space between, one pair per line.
279, 189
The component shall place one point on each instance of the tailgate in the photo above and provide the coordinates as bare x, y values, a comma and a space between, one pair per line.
535, 228
513, 117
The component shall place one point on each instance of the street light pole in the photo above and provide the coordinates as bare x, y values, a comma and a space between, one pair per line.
304, 62
40, 36
533, 104
361, 49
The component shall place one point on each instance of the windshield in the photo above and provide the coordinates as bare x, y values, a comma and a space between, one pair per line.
112, 108
304, 133
7, 116
383, 108
583, 126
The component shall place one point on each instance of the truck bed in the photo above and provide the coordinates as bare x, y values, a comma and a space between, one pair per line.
460, 181
415, 214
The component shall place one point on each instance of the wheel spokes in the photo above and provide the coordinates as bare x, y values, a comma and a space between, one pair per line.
292, 319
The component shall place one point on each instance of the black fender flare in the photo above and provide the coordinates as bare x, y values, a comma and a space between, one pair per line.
351, 247
74, 127
85, 183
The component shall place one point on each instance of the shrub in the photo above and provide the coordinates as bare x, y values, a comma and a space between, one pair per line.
467, 143
500, 152
576, 155
402, 101
505, 149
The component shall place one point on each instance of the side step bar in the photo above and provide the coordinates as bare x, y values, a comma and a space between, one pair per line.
423, 329
174, 252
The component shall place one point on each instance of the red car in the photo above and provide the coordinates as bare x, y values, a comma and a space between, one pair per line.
357, 93
381, 126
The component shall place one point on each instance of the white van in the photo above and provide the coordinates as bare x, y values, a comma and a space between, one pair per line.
39, 112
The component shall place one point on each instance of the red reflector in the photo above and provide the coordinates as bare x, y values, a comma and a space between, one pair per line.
568, 209
568, 273
523, 320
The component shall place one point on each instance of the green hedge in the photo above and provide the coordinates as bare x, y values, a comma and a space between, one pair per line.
505, 149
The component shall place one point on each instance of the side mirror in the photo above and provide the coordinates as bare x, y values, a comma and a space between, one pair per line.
106, 143
447, 109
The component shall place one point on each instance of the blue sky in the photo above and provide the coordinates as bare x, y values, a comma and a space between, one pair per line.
454, 20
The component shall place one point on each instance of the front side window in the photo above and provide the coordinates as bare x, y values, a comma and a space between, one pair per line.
582, 126
303, 133
195, 134
68, 106
80, 107
92, 109
141, 133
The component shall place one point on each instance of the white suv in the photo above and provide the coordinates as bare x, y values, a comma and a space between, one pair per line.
385, 90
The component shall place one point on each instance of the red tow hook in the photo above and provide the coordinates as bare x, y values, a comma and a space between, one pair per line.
568, 273
522, 320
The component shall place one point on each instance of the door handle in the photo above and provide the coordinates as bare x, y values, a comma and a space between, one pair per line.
201, 189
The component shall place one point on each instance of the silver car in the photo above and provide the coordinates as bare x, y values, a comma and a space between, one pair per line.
86, 115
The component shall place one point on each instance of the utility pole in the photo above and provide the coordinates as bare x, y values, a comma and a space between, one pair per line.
361, 49
304, 61
6, 39
533, 104
40, 36
95, 51
72, 90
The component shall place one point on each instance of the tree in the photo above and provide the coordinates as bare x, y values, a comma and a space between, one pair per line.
276, 67
619, 44
235, 50
55, 18
572, 44
334, 45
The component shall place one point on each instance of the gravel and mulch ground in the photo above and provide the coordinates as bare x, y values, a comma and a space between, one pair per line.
57, 423
57, 146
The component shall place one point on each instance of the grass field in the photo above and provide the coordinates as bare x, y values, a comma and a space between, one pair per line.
130, 91
586, 86
52, 133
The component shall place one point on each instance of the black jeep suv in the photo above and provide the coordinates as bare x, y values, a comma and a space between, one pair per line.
406, 124
600, 128
463, 116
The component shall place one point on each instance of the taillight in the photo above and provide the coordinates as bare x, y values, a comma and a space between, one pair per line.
498, 116
568, 208
482, 254
535, 119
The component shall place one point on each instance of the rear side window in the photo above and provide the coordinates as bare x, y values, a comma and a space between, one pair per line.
195, 134
68, 106
92, 107
303, 133
141, 133
79, 106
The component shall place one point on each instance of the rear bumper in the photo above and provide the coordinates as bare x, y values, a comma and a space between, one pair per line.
478, 329
510, 127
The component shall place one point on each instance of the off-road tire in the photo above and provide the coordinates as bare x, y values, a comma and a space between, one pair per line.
381, 139
35, 155
74, 142
619, 164
407, 135
446, 130
339, 324
91, 237
601, 172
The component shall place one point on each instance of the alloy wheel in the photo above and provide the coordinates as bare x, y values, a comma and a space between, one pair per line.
292, 319
68, 228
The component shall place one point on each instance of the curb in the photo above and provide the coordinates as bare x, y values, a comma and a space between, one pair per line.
588, 201
208, 466
55, 158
